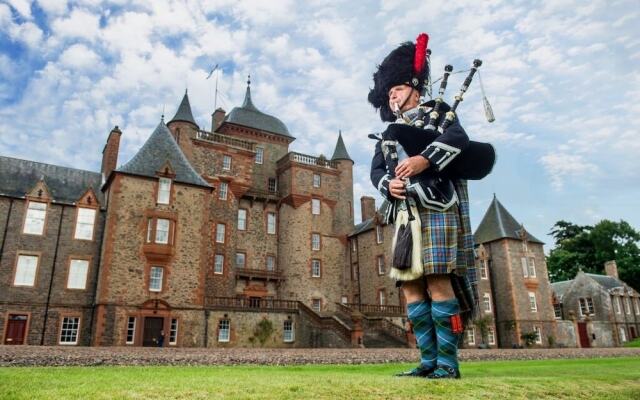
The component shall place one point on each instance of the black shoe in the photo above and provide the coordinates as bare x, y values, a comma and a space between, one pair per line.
443, 372
417, 372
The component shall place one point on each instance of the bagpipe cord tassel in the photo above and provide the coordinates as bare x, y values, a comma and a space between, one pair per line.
417, 268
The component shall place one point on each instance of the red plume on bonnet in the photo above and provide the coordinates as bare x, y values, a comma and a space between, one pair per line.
421, 53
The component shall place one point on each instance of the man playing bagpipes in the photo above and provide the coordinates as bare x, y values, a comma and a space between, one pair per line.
420, 165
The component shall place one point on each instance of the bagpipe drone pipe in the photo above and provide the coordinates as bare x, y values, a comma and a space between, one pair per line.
475, 161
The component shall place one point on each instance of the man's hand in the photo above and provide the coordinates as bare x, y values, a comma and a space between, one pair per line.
411, 166
396, 188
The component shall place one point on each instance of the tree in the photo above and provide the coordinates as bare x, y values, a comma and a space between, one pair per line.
588, 247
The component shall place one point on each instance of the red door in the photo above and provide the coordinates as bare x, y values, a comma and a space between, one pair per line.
584, 336
16, 329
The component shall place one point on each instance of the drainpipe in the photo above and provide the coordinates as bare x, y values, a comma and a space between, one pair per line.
53, 271
95, 281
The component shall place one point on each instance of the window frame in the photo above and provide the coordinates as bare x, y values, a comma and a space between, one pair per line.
223, 191
272, 229
244, 257
224, 232
259, 151
132, 329
319, 264
217, 256
319, 302
471, 336
173, 331
93, 223
291, 339
627, 305
316, 183
531, 265
246, 214
484, 270
226, 166
379, 234
491, 336
525, 267
382, 295
151, 278
538, 332
167, 191
26, 218
380, 262
227, 329
533, 306
272, 188
486, 300
38, 257
618, 305
86, 275
316, 205
77, 329
313, 242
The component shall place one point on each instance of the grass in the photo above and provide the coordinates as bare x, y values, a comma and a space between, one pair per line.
614, 378
633, 343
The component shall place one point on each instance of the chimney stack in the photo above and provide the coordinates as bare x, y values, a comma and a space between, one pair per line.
110, 153
367, 207
216, 118
611, 268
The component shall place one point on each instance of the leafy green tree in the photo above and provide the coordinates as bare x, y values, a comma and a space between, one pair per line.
588, 247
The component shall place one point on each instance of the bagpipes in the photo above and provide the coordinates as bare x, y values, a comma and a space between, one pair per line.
477, 159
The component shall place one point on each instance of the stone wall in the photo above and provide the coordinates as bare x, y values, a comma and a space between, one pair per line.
566, 334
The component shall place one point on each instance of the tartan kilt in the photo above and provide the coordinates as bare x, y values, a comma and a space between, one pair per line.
443, 241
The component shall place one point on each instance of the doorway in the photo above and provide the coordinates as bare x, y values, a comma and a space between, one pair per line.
16, 329
583, 334
152, 328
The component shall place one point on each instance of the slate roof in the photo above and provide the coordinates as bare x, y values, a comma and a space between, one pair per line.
66, 185
498, 223
606, 281
340, 153
156, 151
184, 113
560, 288
249, 115
368, 224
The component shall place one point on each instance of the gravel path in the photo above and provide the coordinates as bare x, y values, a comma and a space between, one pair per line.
66, 356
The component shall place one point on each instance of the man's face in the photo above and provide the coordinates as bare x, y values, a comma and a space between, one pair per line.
399, 93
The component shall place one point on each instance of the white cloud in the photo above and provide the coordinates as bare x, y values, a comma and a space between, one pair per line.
79, 56
79, 24
53, 7
23, 7
562, 166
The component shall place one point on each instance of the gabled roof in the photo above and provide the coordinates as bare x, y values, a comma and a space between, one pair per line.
340, 152
184, 113
498, 223
66, 184
560, 288
606, 281
159, 149
249, 115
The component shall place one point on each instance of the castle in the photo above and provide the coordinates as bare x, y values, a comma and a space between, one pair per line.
225, 237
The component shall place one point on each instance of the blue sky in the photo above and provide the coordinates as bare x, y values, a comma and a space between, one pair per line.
562, 78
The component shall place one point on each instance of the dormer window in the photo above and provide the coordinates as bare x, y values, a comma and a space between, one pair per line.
34, 221
164, 191
85, 222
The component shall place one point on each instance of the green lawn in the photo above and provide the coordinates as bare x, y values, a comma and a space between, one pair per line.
616, 378
633, 343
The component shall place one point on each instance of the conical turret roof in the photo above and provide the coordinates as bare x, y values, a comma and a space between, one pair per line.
249, 115
498, 223
340, 152
184, 113
159, 149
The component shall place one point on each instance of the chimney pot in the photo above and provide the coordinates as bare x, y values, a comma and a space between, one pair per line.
367, 207
611, 268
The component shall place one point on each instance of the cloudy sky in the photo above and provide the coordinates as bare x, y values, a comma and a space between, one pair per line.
562, 77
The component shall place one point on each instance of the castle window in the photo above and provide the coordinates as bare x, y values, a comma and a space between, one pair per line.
224, 189
381, 267
162, 231
525, 267
85, 221
557, 311
26, 270
272, 185
532, 268
627, 306
164, 191
471, 336
379, 234
382, 297
288, 331
616, 302
224, 328
316, 268
271, 223
623, 334
532, 302
486, 301
69, 330
636, 305
34, 221
354, 246
226, 163
131, 330
220, 229
316, 305
315, 206
77, 278
155, 279
218, 265
315, 241
242, 219
586, 306
344, 300
173, 332
538, 332
241, 259
491, 336
259, 155
483, 270
271, 263
316, 180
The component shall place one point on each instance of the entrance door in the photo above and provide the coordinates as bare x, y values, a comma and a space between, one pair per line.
584, 336
632, 332
16, 329
152, 328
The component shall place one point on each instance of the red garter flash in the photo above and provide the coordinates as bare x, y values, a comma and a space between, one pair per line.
456, 324
420, 55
